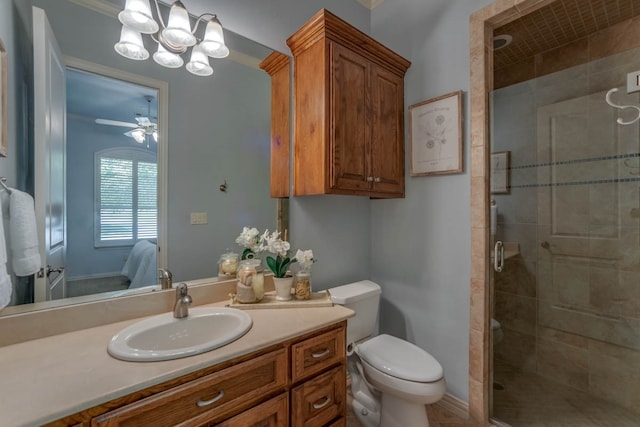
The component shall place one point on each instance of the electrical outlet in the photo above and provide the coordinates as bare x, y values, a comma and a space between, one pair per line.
199, 218
633, 82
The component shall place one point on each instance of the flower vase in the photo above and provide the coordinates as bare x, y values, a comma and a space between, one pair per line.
302, 285
283, 288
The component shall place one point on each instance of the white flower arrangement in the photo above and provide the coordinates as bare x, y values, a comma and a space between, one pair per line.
305, 258
249, 239
254, 243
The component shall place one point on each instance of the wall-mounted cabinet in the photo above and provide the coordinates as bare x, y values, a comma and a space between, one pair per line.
278, 67
349, 111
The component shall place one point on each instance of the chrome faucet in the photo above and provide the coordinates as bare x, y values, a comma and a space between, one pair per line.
166, 278
183, 300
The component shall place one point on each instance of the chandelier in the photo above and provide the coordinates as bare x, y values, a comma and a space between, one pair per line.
173, 39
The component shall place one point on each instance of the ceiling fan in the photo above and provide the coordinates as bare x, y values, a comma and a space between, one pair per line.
140, 130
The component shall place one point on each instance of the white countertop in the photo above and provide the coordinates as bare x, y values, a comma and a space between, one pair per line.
47, 379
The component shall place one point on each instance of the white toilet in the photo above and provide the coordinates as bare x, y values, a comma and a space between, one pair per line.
391, 379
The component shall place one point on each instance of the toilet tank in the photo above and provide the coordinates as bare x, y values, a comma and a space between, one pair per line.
364, 298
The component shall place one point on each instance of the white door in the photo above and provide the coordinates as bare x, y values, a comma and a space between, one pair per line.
49, 162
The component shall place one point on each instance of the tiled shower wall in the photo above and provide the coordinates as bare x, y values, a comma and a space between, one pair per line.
569, 301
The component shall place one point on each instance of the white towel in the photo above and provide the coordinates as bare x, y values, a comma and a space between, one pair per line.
23, 234
5, 281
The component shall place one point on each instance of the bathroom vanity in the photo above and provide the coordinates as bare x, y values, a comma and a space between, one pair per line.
288, 369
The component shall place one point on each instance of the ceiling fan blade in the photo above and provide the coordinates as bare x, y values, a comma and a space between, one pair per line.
116, 123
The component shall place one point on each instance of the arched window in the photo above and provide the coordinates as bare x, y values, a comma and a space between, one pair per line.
126, 209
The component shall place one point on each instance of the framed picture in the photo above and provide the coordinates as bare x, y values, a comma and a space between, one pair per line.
435, 135
500, 170
3, 100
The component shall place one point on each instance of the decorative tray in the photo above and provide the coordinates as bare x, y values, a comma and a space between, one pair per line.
318, 299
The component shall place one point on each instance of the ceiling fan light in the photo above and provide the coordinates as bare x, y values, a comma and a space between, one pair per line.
166, 58
137, 135
199, 63
137, 15
178, 31
130, 44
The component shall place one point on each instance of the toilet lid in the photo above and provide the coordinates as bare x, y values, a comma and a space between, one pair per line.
400, 359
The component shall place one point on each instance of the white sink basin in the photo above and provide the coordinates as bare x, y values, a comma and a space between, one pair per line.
164, 337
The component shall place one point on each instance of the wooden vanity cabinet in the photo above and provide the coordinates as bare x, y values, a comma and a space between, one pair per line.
349, 111
299, 382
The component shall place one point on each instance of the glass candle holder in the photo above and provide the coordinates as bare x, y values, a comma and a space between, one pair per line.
250, 287
228, 265
302, 285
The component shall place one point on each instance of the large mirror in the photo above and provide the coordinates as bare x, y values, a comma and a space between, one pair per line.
217, 149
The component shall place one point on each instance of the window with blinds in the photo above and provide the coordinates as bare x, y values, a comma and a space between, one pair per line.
126, 196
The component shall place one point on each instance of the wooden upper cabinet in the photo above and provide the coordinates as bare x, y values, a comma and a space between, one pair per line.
349, 111
278, 67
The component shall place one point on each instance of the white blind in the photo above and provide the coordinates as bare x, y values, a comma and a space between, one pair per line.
126, 199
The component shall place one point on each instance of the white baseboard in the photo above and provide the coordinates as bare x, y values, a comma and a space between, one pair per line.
454, 405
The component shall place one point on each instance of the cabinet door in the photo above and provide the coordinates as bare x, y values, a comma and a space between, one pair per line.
350, 120
387, 140
272, 413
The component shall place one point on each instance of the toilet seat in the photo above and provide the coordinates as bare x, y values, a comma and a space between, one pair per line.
400, 359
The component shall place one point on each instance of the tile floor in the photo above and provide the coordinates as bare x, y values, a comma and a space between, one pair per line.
529, 400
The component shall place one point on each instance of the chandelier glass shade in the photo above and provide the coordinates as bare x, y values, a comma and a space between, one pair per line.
173, 39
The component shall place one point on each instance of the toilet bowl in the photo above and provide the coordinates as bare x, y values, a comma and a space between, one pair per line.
391, 379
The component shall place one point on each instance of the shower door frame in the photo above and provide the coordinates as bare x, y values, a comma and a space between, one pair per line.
481, 26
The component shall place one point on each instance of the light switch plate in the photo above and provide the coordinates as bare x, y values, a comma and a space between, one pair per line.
633, 82
199, 218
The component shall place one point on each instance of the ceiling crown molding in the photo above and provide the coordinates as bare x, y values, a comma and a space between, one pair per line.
100, 6
370, 4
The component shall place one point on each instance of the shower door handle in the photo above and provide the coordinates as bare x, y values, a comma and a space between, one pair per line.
498, 257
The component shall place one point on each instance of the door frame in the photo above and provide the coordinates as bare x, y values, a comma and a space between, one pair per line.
481, 25
163, 142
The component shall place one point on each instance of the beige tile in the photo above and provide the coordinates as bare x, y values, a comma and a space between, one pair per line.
563, 363
555, 335
615, 39
516, 73
516, 312
562, 58
478, 305
517, 349
476, 356
516, 278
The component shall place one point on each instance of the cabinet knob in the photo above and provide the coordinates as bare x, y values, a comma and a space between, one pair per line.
369, 179
377, 179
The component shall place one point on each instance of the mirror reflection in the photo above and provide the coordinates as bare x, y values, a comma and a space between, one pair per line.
218, 132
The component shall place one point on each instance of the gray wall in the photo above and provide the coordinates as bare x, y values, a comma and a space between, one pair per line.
420, 248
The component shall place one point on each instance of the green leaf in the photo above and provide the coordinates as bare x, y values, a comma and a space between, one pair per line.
246, 254
272, 265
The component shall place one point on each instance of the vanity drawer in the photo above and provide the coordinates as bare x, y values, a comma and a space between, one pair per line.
319, 400
315, 354
206, 399
272, 413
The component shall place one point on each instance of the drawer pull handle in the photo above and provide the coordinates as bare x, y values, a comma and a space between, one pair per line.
322, 404
321, 354
219, 396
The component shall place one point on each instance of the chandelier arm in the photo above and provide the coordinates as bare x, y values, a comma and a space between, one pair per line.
199, 19
159, 14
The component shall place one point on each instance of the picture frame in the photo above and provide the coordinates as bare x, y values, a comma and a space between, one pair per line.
500, 171
435, 135
3, 100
